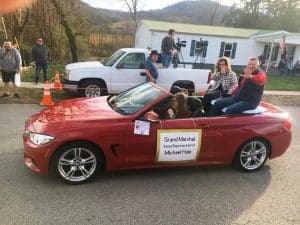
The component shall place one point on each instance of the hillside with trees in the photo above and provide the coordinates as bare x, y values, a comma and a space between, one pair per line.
75, 31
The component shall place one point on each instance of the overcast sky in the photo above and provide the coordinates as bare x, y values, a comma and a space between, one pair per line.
144, 5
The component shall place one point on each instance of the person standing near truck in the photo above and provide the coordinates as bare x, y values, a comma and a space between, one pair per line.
41, 56
150, 66
167, 48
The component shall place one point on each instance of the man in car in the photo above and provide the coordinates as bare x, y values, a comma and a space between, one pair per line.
247, 95
150, 66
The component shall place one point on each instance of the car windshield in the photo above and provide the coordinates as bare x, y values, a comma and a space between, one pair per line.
134, 99
114, 58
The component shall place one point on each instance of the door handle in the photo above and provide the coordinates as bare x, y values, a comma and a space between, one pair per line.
143, 74
202, 126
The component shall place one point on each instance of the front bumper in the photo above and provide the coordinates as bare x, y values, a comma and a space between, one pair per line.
69, 85
37, 158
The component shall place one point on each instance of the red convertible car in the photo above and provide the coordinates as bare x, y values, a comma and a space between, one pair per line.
76, 139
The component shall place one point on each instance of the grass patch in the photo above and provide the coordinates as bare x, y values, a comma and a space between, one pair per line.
29, 74
275, 81
283, 82
34, 96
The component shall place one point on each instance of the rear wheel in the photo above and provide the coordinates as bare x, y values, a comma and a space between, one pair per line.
77, 162
252, 155
92, 88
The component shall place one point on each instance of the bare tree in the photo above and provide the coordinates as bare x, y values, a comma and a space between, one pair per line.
3, 27
21, 18
132, 6
213, 9
68, 30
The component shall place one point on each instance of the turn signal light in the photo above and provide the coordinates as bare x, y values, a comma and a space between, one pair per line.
288, 124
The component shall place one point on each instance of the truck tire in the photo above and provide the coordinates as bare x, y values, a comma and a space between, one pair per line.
92, 88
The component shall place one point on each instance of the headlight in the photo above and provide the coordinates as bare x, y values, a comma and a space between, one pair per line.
39, 139
67, 74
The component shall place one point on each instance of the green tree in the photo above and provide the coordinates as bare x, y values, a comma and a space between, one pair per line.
283, 15
249, 14
265, 14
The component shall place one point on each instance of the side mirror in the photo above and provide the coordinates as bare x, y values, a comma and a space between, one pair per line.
152, 117
120, 65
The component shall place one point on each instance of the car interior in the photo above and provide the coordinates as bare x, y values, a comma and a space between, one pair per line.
194, 103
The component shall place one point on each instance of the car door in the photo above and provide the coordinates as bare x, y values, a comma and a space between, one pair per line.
144, 150
127, 72
140, 147
209, 138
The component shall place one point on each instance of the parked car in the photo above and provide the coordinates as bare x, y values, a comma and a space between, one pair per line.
76, 139
126, 69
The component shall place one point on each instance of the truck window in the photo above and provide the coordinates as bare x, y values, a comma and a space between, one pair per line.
114, 58
133, 61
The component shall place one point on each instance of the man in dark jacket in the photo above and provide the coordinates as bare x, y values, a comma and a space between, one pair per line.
41, 56
247, 95
167, 48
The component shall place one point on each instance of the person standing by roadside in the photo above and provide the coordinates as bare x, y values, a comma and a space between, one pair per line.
10, 63
151, 69
167, 48
41, 56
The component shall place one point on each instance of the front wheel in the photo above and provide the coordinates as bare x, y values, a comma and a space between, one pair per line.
252, 155
77, 162
92, 88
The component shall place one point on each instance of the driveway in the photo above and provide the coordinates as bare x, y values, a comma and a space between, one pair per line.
202, 195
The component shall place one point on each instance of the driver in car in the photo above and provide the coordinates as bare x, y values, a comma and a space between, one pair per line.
178, 107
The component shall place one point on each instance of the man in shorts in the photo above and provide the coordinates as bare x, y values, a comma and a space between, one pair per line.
10, 63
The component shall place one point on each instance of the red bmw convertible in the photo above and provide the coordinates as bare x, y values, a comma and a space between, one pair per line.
77, 139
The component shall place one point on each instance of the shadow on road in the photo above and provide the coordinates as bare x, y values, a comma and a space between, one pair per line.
193, 195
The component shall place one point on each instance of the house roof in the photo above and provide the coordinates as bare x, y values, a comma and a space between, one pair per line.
204, 29
278, 36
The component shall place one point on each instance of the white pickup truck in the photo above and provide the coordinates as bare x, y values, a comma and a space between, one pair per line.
125, 69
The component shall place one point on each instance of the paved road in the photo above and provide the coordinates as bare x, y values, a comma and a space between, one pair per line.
203, 195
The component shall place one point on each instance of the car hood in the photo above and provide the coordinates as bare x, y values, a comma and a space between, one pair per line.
80, 65
74, 113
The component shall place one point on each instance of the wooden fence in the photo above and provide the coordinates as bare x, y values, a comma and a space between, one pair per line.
104, 45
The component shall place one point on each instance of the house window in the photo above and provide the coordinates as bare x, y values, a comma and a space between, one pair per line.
291, 53
198, 47
267, 50
228, 50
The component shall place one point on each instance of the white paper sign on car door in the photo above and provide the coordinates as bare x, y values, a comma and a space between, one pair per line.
175, 146
141, 127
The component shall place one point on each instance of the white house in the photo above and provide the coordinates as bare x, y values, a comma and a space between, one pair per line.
235, 43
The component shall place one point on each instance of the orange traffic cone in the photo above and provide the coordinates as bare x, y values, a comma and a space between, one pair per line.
47, 101
57, 84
